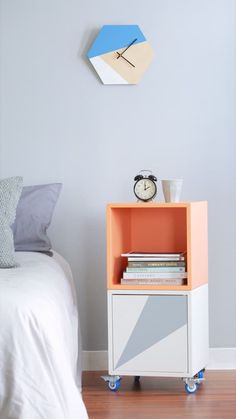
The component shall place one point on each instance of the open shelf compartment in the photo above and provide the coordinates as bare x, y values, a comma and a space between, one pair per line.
157, 228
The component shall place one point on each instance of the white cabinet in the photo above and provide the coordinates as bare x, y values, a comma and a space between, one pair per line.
158, 333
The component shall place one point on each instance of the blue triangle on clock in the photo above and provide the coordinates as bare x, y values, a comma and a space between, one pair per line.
113, 37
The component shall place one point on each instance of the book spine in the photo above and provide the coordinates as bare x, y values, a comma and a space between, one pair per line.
170, 281
155, 259
153, 255
152, 264
159, 275
154, 269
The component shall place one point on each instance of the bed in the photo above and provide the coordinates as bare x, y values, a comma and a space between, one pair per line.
39, 340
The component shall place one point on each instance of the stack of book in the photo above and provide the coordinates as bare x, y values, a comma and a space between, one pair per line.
155, 269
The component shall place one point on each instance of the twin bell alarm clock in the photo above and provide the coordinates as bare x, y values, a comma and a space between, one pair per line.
145, 187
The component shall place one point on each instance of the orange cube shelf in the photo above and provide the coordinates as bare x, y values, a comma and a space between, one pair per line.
158, 228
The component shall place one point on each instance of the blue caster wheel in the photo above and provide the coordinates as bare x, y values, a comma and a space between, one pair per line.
114, 386
199, 377
192, 388
200, 374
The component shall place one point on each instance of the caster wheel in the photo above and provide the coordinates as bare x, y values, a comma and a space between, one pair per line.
114, 386
192, 388
137, 378
200, 374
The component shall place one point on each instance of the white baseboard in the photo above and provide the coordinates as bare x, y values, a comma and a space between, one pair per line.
94, 360
219, 359
222, 359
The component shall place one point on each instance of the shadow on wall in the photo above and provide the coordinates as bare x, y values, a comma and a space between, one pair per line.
93, 271
86, 43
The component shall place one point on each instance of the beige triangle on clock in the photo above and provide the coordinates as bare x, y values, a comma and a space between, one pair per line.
140, 55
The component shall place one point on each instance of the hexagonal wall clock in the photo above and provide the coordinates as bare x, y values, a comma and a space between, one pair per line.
120, 54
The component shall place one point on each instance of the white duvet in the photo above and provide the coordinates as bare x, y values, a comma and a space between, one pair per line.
39, 372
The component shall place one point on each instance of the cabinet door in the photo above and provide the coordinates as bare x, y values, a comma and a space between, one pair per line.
149, 334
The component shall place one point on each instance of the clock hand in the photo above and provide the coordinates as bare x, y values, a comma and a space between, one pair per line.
120, 55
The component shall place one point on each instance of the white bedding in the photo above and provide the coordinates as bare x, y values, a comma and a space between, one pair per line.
39, 373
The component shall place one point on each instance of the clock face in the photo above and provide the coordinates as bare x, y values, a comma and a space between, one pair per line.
120, 54
145, 189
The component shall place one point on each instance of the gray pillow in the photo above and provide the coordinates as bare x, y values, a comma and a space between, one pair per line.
10, 190
33, 217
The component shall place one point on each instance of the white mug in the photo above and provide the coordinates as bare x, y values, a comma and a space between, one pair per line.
172, 189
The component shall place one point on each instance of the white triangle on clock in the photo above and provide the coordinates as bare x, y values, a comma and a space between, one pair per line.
107, 74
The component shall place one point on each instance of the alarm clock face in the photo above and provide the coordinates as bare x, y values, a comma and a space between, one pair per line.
120, 54
145, 189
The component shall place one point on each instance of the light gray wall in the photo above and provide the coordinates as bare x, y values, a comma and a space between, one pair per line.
59, 123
